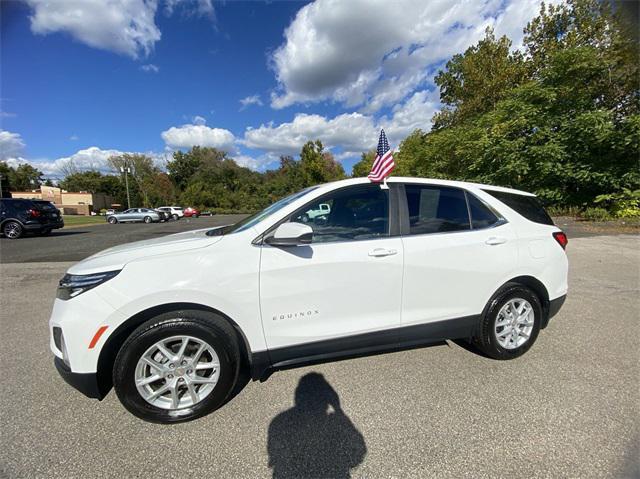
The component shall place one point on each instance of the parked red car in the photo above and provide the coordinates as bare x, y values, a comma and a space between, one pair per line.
191, 212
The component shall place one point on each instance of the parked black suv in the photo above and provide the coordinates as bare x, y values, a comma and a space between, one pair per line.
18, 216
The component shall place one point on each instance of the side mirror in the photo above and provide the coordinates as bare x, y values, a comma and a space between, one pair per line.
291, 234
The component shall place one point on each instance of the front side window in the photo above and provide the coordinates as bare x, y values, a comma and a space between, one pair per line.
349, 214
436, 209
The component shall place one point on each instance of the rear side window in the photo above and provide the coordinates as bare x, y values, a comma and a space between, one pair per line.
436, 209
528, 206
44, 205
481, 214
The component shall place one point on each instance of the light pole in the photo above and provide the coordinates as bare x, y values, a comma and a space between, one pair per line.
1, 192
125, 170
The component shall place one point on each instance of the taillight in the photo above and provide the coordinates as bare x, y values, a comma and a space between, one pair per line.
33, 213
561, 238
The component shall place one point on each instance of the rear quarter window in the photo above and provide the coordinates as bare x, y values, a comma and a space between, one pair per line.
528, 206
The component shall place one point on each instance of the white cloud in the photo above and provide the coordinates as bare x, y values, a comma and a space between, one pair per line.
250, 100
375, 52
190, 7
150, 68
259, 163
123, 26
74, 138
198, 120
11, 145
189, 135
7, 114
350, 131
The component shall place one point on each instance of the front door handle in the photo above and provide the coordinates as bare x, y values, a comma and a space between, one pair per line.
494, 240
382, 252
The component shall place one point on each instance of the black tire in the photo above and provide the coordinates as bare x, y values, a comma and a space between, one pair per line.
12, 230
175, 217
195, 216
203, 325
112, 220
147, 219
487, 341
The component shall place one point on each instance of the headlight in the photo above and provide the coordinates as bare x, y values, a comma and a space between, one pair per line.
72, 285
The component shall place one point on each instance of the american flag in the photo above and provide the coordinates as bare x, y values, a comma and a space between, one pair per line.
383, 165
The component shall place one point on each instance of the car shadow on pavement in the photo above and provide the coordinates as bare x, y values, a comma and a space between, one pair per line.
315, 438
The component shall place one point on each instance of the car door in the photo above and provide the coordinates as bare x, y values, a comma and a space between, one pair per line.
451, 268
347, 282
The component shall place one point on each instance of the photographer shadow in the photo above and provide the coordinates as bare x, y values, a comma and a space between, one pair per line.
315, 438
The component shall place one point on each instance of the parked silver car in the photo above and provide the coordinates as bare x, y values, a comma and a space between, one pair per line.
135, 214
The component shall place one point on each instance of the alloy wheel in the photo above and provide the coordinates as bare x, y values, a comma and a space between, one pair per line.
12, 230
177, 372
514, 323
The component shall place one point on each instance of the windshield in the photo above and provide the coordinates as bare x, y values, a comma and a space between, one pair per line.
256, 218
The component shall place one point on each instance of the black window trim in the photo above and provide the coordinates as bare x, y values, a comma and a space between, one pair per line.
405, 227
392, 205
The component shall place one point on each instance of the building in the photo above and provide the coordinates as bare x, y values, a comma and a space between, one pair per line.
69, 202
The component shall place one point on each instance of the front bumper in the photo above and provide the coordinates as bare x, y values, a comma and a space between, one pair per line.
86, 383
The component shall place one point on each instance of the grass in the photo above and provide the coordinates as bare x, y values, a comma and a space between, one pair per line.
79, 220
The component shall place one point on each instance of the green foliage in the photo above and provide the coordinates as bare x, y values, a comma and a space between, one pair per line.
23, 178
563, 120
474, 81
596, 214
625, 204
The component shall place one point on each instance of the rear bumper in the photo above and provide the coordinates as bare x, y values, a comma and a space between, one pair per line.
43, 226
554, 307
86, 383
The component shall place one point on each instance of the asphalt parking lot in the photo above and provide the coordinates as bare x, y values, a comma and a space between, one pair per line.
76, 243
569, 408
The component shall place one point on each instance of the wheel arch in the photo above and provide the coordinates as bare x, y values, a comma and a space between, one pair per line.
114, 342
533, 284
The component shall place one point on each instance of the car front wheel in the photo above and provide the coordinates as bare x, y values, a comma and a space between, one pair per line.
147, 219
112, 220
511, 324
12, 230
177, 367
175, 217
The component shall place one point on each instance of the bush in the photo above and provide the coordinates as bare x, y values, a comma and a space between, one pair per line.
625, 204
596, 214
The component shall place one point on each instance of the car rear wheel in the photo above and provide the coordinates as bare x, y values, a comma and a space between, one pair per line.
12, 230
511, 324
147, 219
175, 217
112, 220
177, 367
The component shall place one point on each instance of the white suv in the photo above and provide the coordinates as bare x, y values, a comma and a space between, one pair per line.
171, 322
174, 212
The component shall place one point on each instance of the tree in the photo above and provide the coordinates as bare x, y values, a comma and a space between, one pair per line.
25, 177
143, 173
317, 165
363, 167
473, 82
567, 126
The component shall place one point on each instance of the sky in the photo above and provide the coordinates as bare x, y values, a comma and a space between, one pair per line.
87, 79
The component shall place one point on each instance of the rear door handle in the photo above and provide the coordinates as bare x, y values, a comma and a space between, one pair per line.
495, 241
382, 252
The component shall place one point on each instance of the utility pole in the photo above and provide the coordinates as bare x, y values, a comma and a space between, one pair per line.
125, 170
1, 192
